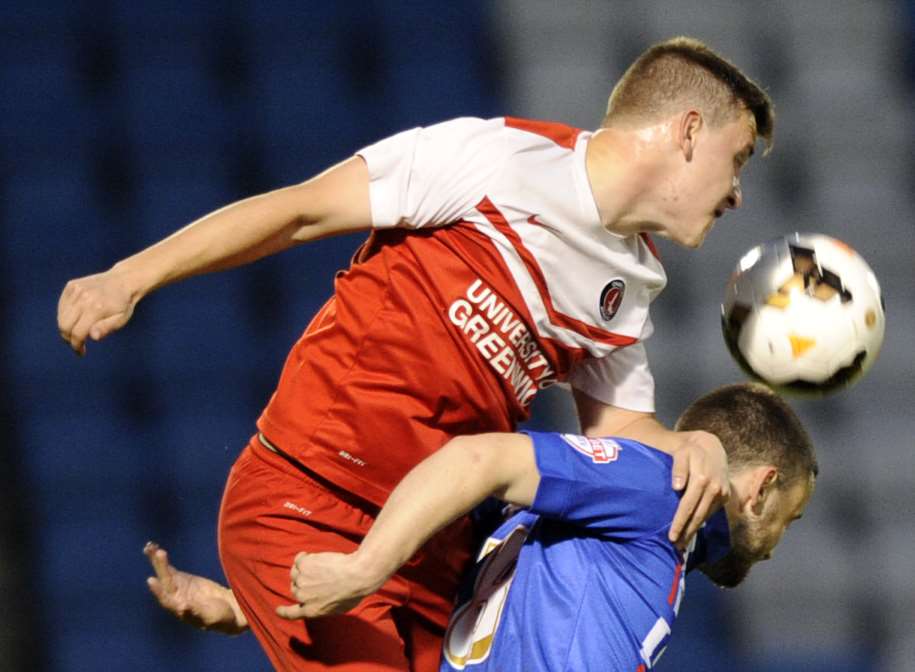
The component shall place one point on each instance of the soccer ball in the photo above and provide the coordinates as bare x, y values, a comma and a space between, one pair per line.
804, 314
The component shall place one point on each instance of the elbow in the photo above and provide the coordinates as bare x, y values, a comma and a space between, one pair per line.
472, 451
475, 460
495, 465
301, 227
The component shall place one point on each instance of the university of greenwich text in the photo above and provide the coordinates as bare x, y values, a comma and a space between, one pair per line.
503, 340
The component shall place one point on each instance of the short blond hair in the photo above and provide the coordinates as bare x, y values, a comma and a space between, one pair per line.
684, 72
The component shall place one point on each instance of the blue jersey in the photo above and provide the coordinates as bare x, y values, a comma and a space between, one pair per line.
585, 579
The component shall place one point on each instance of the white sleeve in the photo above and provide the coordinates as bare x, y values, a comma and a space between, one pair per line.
432, 176
621, 379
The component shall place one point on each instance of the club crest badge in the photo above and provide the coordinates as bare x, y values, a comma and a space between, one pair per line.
601, 451
611, 297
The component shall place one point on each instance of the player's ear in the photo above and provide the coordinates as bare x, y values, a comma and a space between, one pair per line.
688, 127
763, 486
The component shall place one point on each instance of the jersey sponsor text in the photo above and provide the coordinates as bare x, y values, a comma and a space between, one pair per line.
503, 340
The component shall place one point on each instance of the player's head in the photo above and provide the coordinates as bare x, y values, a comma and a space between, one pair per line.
772, 466
708, 115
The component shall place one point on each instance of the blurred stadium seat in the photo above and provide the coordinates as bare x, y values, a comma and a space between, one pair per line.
56, 226
43, 108
121, 121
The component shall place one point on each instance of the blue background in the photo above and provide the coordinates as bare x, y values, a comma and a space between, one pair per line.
122, 121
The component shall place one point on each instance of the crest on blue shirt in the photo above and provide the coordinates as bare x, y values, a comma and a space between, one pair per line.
600, 451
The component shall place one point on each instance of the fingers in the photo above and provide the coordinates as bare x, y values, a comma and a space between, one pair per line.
70, 312
158, 558
155, 587
150, 550
680, 469
295, 572
102, 328
88, 326
159, 585
701, 466
79, 332
162, 597
92, 307
688, 504
701, 499
65, 316
292, 612
708, 501
65, 325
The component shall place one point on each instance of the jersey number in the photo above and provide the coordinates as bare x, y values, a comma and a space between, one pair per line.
473, 625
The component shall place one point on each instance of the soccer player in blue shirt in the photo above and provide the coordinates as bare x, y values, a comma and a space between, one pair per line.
583, 577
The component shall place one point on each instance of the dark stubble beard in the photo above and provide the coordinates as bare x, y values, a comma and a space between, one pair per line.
733, 568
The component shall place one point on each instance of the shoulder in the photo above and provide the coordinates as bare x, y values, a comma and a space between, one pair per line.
461, 130
544, 132
457, 132
627, 454
507, 133
604, 482
513, 134
553, 132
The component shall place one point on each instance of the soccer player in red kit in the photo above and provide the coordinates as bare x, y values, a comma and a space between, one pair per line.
505, 255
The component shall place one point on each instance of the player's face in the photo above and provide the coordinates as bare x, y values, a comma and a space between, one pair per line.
754, 538
708, 184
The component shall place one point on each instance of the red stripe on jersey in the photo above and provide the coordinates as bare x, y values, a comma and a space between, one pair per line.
493, 268
497, 219
651, 246
673, 589
640, 668
562, 135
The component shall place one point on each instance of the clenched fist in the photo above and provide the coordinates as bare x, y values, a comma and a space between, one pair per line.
93, 307
328, 583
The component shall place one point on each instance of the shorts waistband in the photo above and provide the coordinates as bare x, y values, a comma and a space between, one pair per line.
318, 479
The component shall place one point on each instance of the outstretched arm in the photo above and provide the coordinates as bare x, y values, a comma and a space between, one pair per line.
193, 599
334, 202
700, 465
440, 489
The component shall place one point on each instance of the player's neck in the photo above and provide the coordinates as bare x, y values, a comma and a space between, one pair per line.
625, 170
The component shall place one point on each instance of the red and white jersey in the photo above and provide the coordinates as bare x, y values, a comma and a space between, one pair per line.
523, 185
488, 277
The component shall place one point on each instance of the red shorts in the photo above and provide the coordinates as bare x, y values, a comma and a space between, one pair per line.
270, 511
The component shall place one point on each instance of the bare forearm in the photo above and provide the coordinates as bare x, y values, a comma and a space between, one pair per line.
599, 419
651, 432
334, 202
231, 236
437, 491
